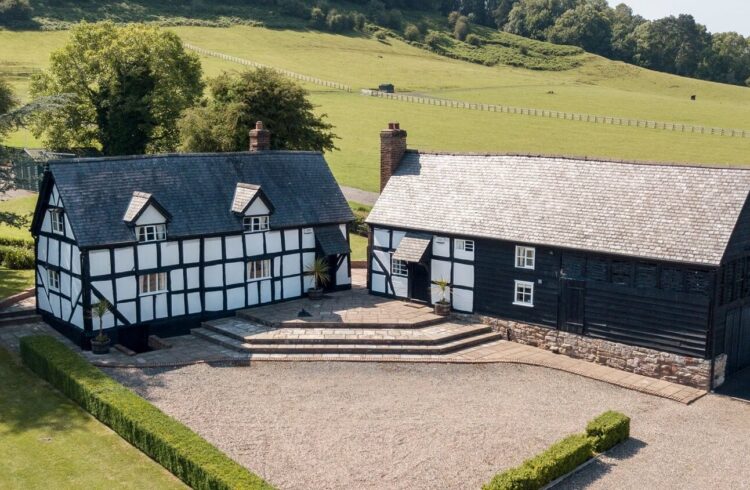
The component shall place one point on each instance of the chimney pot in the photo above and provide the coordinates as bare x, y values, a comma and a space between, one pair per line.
260, 138
392, 148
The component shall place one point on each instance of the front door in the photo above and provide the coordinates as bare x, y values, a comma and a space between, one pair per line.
333, 267
737, 339
572, 305
420, 283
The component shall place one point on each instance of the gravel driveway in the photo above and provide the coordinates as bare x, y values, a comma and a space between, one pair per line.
417, 426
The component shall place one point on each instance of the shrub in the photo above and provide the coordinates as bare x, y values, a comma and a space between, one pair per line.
17, 257
337, 22
461, 30
608, 430
359, 21
15, 11
474, 40
17, 242
453, 18
433, 39
411, 33
317, 18
170, 443
381, 35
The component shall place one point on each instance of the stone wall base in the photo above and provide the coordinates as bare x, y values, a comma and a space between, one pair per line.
686, 370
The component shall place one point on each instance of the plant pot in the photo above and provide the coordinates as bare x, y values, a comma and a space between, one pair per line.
315, 293
100, 346
442, 309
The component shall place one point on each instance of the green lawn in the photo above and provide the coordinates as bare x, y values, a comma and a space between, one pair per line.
46, 441
12, 281
359, 247
22, 206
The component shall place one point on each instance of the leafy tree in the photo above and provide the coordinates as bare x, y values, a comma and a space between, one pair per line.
501, 12
411, 33
587, 26
129, 85
728, 60
238, 101
15, 12
532, 18
672, 44
624, 24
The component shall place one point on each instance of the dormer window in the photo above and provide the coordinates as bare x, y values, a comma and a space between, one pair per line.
255, 223
57, 221
151, 233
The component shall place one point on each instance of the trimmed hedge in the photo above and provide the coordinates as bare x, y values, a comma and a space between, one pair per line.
608, 430
17, 242
16, 257
170, 443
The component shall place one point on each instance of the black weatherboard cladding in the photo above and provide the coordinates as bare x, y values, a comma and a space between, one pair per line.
197, 189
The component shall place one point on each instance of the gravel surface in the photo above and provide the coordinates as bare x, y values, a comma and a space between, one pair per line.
416, 426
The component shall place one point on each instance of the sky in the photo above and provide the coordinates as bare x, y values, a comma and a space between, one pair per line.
717, 15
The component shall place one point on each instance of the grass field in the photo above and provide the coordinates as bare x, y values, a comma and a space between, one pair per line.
599, 86
46, 441
12, 281
23, 206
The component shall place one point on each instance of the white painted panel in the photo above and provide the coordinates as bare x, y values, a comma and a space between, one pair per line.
378, 283
375, 266
42, 248
191, 251
150, 216
161, 305
257, 208
99, 262
234, 273
42, 276
277, 290
396, 238
170, 253
212, 249
291, 239
127, 309
77, 318
276, 266
65, 283
193, 277
381, 238
65, 255
273, 241
213, 276
127, 288
75, 288
342, 274
124, 259
463, 300
194, 303
53, 252
67, 309
43, 302
344, 231
108, 321
292, 287
105, 288
385, 259
214, 301
308, 239
307, 260
147, 308
441, 246
235, 298
54, 197
291, 264
55, 303
265, 291
176, 281
76, 261
68, 229
254, 244
178, 304
462, 254
233, 247
400, 286
147, 256
309, 282
440, 269
463, 275
46, 225
252, 294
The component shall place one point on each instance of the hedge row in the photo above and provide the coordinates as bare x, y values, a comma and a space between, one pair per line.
170, 443
16, 257
602, 433
17, 242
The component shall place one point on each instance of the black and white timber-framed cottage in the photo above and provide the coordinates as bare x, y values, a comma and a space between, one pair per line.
644, 267
172, 240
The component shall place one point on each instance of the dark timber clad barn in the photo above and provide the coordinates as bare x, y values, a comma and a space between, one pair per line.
564, 251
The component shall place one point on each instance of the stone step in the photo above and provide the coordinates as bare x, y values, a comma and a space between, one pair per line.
316, 323
257, 334
292, 349
18, 317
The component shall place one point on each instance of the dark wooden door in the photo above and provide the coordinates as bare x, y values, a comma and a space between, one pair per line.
420, 283
572, 306
737, 339
333, 267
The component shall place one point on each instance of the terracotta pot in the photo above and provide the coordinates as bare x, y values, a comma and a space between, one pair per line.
100, 346
315, 293
442, 309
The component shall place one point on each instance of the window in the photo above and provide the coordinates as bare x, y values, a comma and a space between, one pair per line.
153, 283
524, 293
465, 245
255, 223
151, 233
53, 279
258, 269
525, 257
399, 268
57, 220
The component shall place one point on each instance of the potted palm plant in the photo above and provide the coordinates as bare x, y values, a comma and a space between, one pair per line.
100, 343
319, 270
443, 305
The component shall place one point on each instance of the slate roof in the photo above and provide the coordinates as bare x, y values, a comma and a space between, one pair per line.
667, 212
412, 247
243, 194
137, 203
197, 190
331, 240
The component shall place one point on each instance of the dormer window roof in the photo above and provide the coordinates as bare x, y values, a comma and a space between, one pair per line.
139, 203
250, 200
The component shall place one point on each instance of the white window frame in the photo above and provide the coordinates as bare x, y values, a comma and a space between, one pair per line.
255, 273
399, 268
57, 221
53, 279
153, 283
151, 233
525, 288
465, 245
254, 224
523, 259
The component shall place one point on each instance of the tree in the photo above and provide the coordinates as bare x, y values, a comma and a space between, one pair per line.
238, 101
129, 85
411, 33
624, 25
672, 44
15, 12
728, 59
461, 29
502, 11
532, 18
587, 26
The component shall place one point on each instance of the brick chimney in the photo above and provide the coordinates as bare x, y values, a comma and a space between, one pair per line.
260, 138
392, 148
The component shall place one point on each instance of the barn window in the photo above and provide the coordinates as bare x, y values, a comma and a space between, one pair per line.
255, 223
153, 283
57, 220
465, 245
399, 268
53, 280
258, 269
524, 293
151, 233
525, 257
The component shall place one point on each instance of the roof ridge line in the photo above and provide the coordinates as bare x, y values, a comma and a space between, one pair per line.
180, 155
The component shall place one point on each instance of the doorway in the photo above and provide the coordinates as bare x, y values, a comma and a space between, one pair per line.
420, 283
571, 316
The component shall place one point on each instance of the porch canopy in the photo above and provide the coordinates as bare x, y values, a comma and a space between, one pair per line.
412, 247
331, 241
